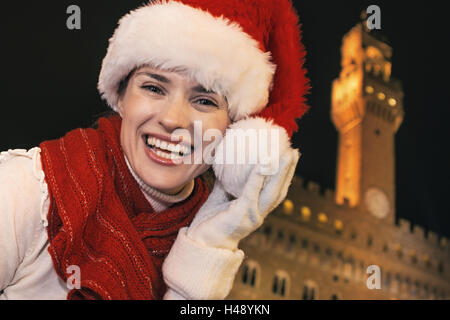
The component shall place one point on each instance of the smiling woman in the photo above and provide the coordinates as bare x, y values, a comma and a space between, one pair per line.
126, 203
156, 103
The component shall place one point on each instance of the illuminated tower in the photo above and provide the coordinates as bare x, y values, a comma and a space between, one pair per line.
367, 110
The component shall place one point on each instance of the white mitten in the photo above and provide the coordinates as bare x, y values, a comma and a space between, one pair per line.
222, 222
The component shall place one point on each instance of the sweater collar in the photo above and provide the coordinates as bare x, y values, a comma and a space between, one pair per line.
158, 199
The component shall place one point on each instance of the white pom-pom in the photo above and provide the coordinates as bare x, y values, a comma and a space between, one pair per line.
247, 143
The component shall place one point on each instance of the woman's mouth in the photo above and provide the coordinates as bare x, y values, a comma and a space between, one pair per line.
165, 151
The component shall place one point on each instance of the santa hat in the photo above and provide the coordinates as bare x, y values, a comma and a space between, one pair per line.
247, 50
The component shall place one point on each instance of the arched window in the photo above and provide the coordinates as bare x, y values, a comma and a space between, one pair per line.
280, 285
280, 236
250, 273
267, 234
336, 296
291, 243
267, 231
369, 240
441, 267
310, 290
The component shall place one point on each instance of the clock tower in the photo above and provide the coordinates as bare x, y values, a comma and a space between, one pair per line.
367, 110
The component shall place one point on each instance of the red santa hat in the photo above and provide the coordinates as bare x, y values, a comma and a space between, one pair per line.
249, 51
246, 50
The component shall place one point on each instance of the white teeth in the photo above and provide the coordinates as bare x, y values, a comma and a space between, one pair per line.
152, 141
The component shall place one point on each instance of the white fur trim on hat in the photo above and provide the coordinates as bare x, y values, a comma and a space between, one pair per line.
214, 51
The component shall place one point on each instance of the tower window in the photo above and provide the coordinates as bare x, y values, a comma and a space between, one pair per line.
250, 273
280, 284
377, 132
309, 291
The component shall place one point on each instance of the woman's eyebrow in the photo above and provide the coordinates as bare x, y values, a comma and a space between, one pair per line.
200, 88
155, 76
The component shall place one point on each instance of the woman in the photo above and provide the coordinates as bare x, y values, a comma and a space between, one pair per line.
124, 211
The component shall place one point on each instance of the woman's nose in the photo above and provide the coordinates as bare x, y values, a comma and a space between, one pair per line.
176, 114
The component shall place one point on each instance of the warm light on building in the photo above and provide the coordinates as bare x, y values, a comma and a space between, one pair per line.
369, 89
322, 218
392, 102
306, 213
381, 96
288, 206
338, 225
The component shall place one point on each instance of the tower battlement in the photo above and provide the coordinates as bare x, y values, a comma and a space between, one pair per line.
308, 206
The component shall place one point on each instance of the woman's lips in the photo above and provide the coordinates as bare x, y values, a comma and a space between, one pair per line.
158, 159
151, 153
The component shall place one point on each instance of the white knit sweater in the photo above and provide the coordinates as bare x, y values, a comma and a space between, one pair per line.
26, 268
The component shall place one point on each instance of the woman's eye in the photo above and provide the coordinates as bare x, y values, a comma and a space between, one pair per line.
206, 102
153, 89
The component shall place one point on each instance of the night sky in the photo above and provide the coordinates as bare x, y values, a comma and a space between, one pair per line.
49, 77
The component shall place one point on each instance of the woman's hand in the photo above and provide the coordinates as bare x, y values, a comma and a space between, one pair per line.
222, 222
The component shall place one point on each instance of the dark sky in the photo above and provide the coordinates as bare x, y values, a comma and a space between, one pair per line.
49, 76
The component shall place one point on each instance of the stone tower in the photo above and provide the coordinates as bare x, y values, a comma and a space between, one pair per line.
367, 110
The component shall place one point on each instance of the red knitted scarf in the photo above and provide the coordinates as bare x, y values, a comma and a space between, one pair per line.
100, 221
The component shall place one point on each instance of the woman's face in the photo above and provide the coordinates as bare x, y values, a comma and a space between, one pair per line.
154, 105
